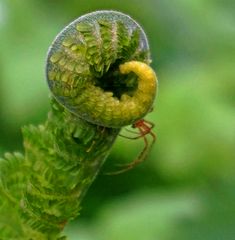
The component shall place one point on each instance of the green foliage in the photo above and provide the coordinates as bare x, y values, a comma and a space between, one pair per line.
63, 156
192, 46
14, 171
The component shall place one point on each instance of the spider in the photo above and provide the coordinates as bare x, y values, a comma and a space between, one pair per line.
145, 128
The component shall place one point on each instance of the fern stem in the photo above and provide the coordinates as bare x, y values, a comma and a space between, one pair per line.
74, 151
97, 70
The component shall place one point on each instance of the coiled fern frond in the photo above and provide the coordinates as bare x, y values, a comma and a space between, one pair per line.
98, 73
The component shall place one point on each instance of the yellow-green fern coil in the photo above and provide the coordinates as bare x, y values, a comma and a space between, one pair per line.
98, 72
97, 67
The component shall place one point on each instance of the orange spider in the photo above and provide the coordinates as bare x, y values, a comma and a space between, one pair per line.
145, 128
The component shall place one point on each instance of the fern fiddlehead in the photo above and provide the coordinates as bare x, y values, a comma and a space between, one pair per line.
97, 70
83, 69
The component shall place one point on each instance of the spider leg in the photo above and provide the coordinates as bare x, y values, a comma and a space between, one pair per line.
141, 156
146, 130
128, 130
122, 135
139, 159
133, 138
151, 124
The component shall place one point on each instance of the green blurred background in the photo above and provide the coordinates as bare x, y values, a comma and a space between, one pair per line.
186, 188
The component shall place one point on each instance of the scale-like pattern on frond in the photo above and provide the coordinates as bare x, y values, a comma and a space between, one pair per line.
123, 40
133, 44
13, 174
93, 40
97, 46
68, 167
109, 44
13, 177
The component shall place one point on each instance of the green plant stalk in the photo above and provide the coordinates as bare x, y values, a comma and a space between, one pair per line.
42, 190
62, 158
74, 151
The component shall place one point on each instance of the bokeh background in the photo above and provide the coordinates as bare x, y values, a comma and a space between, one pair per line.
186, 188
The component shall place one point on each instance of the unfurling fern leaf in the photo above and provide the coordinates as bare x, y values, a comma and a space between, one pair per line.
98, 73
